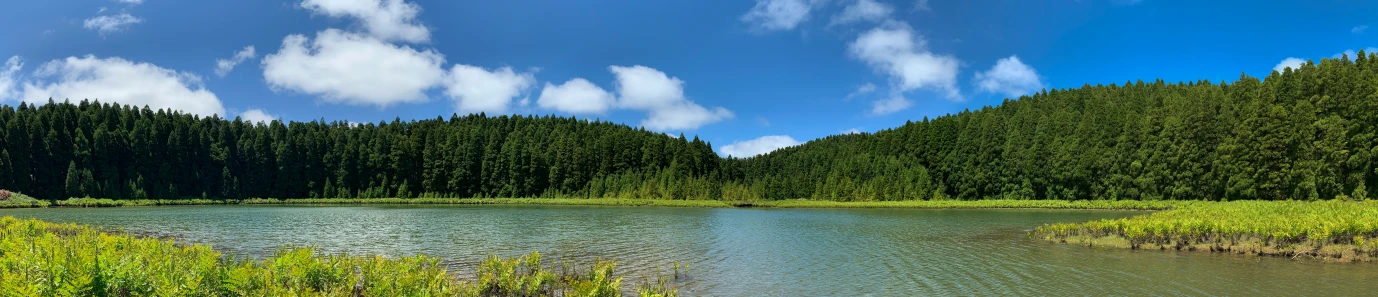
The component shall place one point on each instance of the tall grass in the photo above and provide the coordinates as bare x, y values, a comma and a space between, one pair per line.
19, 200
48, 259
922, 204
1341, 230
945, 204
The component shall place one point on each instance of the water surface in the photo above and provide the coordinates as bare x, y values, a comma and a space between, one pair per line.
753, 252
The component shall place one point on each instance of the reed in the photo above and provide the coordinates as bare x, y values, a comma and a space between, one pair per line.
1331, 230
48, 259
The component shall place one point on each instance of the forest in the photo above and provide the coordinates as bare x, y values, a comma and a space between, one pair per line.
1305, 134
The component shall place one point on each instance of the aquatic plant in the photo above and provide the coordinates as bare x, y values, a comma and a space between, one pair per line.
1345, 230
48, 259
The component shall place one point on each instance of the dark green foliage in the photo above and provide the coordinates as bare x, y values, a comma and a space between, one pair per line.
92, 149
1306, 133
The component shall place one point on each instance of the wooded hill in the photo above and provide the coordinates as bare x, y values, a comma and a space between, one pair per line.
1300, 134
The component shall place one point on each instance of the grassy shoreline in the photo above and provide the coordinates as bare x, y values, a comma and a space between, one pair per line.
914, 204
50, 259
1343, 231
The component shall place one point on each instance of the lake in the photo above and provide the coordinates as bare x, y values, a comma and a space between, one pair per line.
752, 252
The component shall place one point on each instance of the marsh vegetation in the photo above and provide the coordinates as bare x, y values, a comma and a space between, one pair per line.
48, 259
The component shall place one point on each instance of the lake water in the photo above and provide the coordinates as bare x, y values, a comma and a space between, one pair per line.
753, 252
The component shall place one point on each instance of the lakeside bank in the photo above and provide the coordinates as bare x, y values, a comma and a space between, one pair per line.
798, 203
46, 259
1344, 231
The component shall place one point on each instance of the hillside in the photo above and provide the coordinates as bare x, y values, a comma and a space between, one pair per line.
1304, 134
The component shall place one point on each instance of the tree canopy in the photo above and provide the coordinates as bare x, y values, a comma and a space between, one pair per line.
1304, 133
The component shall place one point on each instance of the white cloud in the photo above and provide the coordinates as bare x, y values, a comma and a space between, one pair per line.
131, 2
1353, 54
124, 82
1358, 29
894, 49
108, 24
9, 77
778, 15
1294, 63
578, 96
224, 66
352, 68
684, 115
921, 5
758, 146
644, 88
852, 131
477, 90
1011, 77
257, 116
863, 10
862, 90
895, 103
390, 20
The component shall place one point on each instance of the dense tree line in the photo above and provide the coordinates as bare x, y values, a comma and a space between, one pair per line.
93, 149
1298, 134
1306, 133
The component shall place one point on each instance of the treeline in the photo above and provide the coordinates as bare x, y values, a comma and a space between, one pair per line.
1299, 134
93, 149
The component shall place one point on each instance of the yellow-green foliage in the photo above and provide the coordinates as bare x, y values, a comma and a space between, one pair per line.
19, 200
1278, 224
48, 259
945, 204
102, 202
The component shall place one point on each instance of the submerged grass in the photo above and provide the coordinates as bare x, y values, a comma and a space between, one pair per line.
47, 259
1331, 230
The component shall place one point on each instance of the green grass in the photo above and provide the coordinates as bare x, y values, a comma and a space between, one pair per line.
47, 259
945, 204
1331, 230
920, 204
102, 202
19, 200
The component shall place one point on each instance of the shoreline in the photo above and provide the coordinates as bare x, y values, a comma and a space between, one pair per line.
1333, 230
783, 204
71, 259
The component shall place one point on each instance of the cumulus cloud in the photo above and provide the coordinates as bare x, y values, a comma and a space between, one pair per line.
352, 68
9, 77
224, 66
577, 96
111, 23
895, 50
758, 146
1294, 63
257, 116
852, 131
390, 20
475, 89
863, 10
1358, 29
1011, 77
1353, 54
778, 15
662, 96
121, 81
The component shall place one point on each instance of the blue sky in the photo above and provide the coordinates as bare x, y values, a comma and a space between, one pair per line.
749, 76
